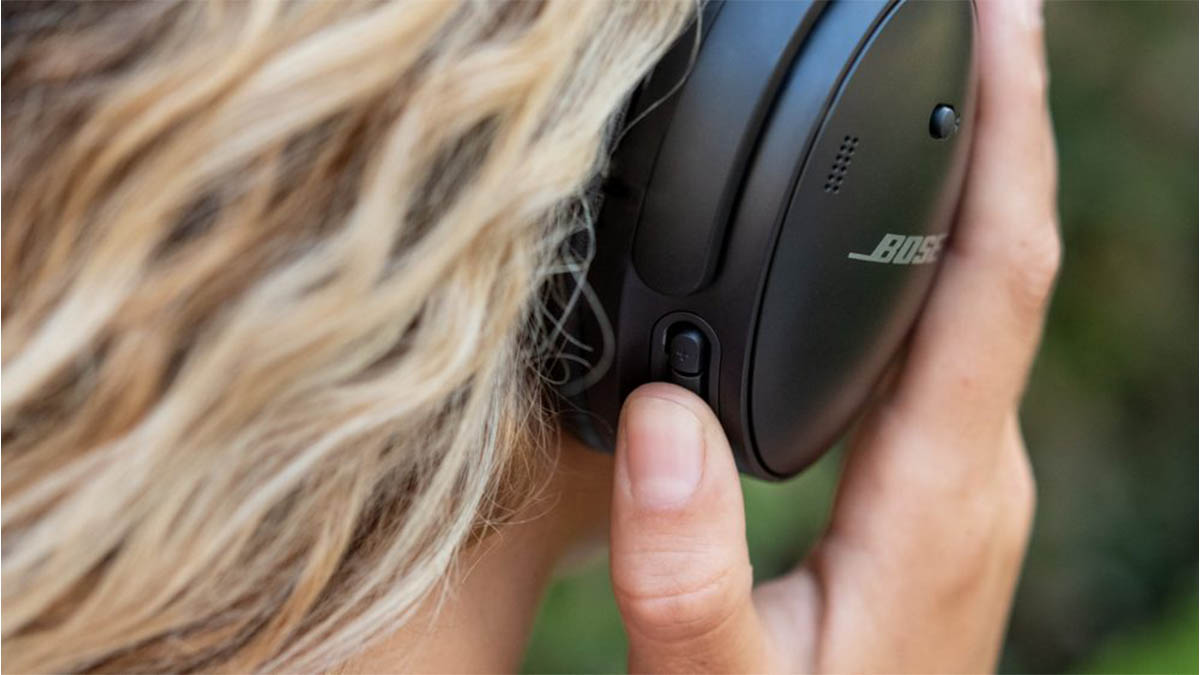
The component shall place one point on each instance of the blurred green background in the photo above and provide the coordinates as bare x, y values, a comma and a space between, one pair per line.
1111, 414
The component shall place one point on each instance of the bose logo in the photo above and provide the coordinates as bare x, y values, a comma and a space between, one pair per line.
898, 249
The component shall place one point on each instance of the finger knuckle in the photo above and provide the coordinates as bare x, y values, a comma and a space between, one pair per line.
1038, 82
985, 531
683, 611
1034, 262
982, 552
1021, 499
1032, 38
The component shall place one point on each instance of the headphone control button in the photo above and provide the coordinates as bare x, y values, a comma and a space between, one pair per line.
943, 122
687, 359
687, 351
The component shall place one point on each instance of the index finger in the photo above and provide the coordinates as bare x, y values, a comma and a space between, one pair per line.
972, 348
934, 507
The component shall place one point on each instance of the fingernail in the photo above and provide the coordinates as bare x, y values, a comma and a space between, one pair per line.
664, 452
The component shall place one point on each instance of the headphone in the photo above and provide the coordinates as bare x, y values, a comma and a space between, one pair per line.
773, 217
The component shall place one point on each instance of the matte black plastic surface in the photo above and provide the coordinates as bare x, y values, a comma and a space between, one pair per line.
703, 156
829, 323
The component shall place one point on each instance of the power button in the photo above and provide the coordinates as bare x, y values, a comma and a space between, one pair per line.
684, 350
687, 357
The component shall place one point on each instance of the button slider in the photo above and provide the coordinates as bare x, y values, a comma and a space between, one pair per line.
687, 356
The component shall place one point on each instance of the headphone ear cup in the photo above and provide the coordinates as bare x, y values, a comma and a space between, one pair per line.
770, 223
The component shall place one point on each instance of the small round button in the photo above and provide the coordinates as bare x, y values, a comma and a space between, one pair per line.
687, 351
943, 122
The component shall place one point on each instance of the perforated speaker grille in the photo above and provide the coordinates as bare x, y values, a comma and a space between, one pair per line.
841, 164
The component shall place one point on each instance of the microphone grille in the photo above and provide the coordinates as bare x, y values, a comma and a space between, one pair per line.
841, 164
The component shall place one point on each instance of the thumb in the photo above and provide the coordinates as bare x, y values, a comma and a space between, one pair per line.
680, 568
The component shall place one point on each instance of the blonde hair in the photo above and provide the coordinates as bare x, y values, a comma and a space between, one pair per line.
272, 305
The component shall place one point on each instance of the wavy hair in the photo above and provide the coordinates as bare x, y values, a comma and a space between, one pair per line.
272, 308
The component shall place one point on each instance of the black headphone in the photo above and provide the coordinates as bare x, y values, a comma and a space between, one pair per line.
770, 224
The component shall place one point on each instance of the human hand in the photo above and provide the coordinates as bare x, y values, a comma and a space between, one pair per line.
932, 517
